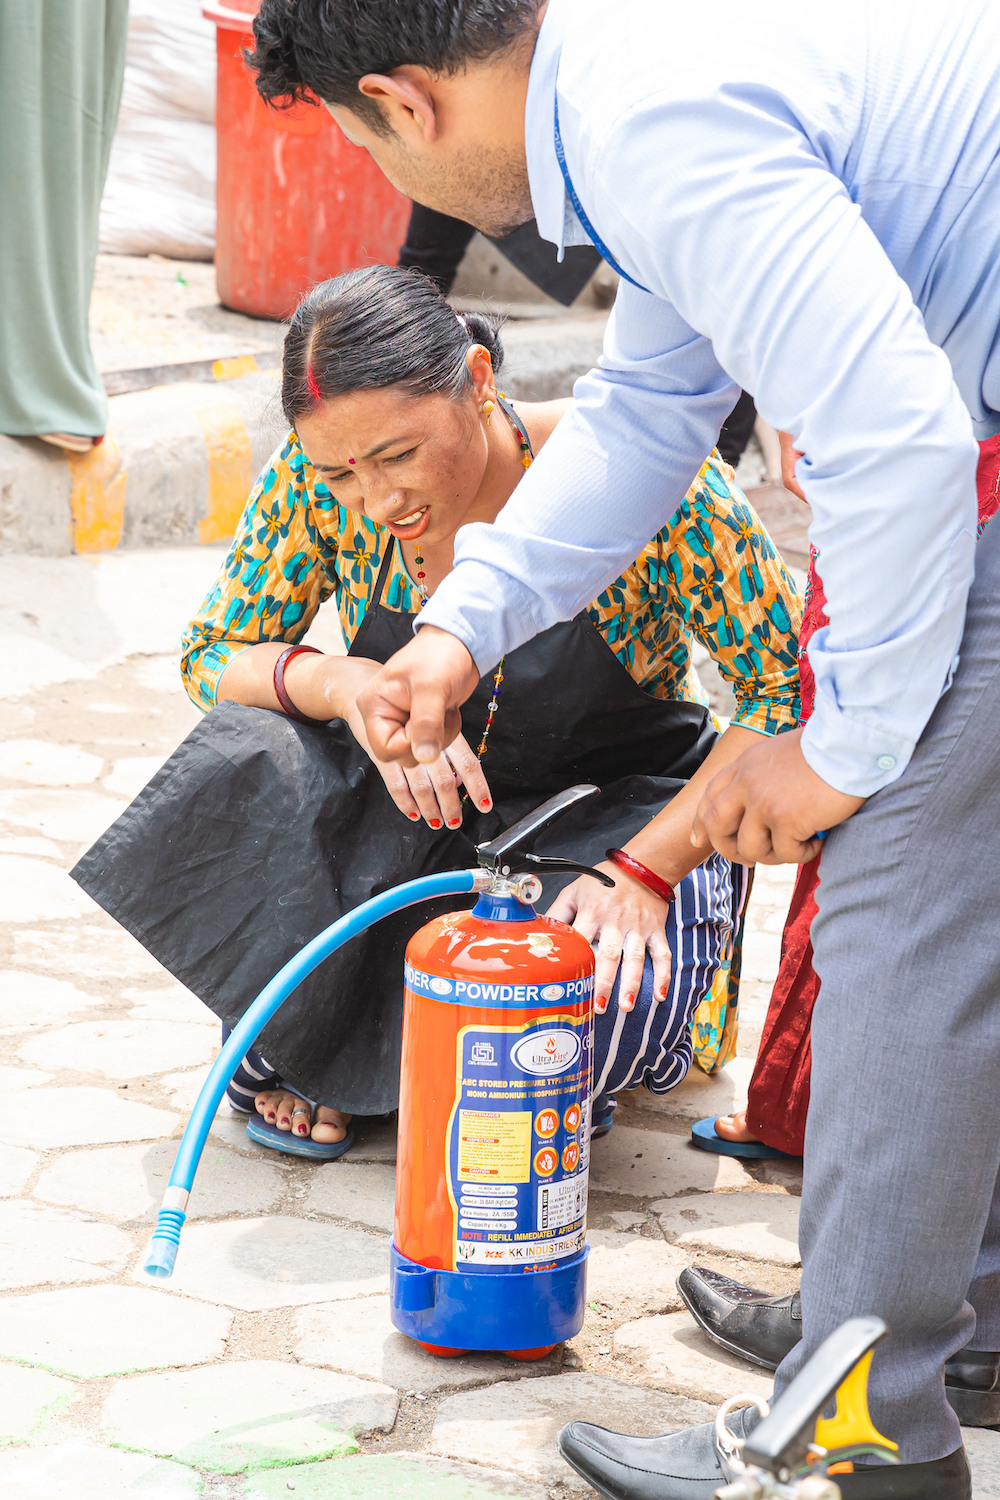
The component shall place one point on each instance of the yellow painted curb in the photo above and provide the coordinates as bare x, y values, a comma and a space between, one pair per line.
97, 497
229, 468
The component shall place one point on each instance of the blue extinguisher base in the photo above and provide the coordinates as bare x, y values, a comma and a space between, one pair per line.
515, 1309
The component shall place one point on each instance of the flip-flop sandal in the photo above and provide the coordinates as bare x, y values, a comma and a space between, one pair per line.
601, 1124
296, 1145
703, 1135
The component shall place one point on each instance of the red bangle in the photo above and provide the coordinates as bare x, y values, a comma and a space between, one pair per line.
646, 877
281, 692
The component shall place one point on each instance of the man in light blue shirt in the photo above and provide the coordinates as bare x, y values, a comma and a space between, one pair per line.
803, 201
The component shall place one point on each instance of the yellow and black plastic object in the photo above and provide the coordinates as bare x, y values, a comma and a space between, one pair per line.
795, 1453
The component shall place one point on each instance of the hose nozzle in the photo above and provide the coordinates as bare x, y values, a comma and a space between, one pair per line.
162, 1250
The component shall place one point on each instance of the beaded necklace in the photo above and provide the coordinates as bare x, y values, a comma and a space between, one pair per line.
494, 703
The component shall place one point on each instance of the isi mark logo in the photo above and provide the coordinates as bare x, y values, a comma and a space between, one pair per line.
546, 1053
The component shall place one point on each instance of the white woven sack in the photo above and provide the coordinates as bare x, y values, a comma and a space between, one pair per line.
160, 194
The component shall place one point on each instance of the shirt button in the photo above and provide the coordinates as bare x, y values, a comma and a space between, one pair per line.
886, 762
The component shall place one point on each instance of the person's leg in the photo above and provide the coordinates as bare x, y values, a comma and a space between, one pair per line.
435, 244
737, 429
903, 1138
651, 1044
61, 68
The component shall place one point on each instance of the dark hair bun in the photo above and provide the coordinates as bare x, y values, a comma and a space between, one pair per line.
379, 327
484, 328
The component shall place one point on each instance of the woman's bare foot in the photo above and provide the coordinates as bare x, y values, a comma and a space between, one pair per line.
288, 1112
734, 1128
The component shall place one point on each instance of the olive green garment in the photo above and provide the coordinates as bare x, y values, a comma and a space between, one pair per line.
61, 65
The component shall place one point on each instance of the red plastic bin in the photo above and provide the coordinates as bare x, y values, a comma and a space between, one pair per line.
296, 202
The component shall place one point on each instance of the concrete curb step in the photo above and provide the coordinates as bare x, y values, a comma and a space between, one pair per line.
179, 459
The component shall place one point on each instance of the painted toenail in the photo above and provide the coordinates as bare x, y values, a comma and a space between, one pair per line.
485, 804
435, 822
453, 822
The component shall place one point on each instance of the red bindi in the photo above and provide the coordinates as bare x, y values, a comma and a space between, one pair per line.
350, 460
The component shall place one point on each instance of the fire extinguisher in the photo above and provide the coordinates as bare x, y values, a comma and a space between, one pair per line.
494, 1115
494, 1120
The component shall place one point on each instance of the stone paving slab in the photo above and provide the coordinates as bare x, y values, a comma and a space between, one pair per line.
247, 1415
515, 1426
376, 1141
13, 1080
42, 763
71, 817
365, 1193
276, 1262
29, 1002
130, 774
170, 1004
699, 1096
123, 1049
87, 951
81, 1116
674, 1355
16, 1166
392, 1476
43, 848
759, 1226
82, 1471
625, 1267
184, 1089
359, 1337
654, 1164
983, 1450
41, 1246
110, 1330
127, 1182
29, 1401
32, 890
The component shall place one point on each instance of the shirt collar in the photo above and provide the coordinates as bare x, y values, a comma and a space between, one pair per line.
553, 211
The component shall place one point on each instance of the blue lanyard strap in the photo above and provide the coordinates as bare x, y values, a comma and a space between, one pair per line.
578, 209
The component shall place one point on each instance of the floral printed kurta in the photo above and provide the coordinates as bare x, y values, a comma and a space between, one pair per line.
710, 575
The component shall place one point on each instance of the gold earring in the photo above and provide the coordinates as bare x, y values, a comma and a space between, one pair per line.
488, 409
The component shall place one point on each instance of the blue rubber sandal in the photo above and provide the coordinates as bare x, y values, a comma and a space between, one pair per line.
703, 1135
302, 1145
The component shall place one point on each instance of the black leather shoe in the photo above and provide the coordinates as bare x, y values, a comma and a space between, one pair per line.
764, 1329
683, 1465
972, 1385
688, 1466
748, 1323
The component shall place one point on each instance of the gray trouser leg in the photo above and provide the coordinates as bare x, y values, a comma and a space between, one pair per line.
903, 1139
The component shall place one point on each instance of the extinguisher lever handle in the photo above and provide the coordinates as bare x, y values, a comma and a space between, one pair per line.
500, 853
544, 865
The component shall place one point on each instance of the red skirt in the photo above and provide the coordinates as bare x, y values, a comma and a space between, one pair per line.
779, 1089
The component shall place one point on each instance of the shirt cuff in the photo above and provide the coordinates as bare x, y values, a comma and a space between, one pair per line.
204, 669
494, 616
851, 756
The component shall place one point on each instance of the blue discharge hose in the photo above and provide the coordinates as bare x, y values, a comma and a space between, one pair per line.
166, 1236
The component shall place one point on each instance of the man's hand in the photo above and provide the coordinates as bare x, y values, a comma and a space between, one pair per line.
411, 707
766, 807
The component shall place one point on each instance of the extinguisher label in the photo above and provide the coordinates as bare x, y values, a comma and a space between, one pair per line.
518, 1154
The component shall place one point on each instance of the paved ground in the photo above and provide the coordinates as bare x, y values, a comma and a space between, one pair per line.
268, 1364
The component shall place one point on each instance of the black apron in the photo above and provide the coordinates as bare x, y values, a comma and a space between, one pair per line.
259, 832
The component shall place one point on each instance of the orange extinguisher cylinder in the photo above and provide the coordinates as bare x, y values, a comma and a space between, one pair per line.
494, 1119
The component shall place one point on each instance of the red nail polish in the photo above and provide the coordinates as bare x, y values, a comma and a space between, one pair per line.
413, 817
454, 822
271, 1116
485, 804
435, 822
629, 999
663, 992
301, 1129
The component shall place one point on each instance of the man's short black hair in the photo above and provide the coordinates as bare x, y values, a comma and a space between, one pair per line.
323, 47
